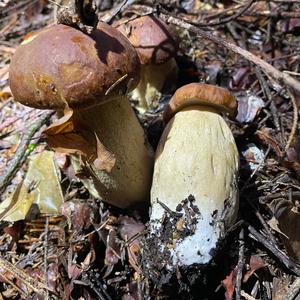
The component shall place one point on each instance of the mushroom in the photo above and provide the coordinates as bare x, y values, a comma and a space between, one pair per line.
156, 49
194, 194
62, 68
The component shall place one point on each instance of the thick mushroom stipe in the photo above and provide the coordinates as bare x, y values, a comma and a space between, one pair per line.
196, 156
129, 181
194, 194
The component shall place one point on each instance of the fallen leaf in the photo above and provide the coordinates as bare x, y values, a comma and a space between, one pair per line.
129, 230
253, 155
292, 159
229, 283
249, 107
241, 78
289, 25
62, 125
78, 215
41, 186
105, 159
273, 223
70, 143
288, 218
252, 264
64, 136
5, 93
265, 136
112, 252
280, 288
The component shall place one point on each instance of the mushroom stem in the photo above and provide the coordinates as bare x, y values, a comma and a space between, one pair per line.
197, 157
153, 80
117, 128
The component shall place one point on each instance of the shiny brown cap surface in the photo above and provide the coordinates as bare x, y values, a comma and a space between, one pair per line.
201, 94
151, 38
60, 66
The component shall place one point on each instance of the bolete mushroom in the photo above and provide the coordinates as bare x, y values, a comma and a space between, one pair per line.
194, 193
156, 49
61, 67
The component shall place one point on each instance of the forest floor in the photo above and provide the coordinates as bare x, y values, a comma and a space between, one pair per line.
86, 249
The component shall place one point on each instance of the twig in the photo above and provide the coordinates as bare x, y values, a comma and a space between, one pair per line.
25, 278
286, 1
55, 3
22, 153
292, 265
284, 14
227, 20
264, 199
267, 68
240, 265
256, 170
8, 122
112, 14
268, 95
78, 13
294, 290
46, 255
295, 120
20, 291
247, 296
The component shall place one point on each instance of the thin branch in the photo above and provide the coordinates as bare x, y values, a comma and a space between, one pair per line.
230, 18
295, 120
22, 153
267, 68
294, 290
292, 265
240, 266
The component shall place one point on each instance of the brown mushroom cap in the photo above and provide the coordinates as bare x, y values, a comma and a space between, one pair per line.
151, 38
61, 66
201, 94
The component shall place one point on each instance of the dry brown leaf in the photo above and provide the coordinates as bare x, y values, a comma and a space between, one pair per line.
5, 93
78, 214
249, 106
292, 159
273, 223
254, 263
229, 283
63, 136
40, 186
105, 159
128, 229
62, 125
70, 143
288, 218
265, 136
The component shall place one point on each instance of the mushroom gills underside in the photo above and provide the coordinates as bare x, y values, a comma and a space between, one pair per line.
195, 176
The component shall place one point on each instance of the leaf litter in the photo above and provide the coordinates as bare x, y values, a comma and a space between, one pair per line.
89, 250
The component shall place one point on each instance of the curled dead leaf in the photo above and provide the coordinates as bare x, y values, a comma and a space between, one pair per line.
253, 263
41, 186
69, 137
249, 106
288, 218
266, 138
105, 159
